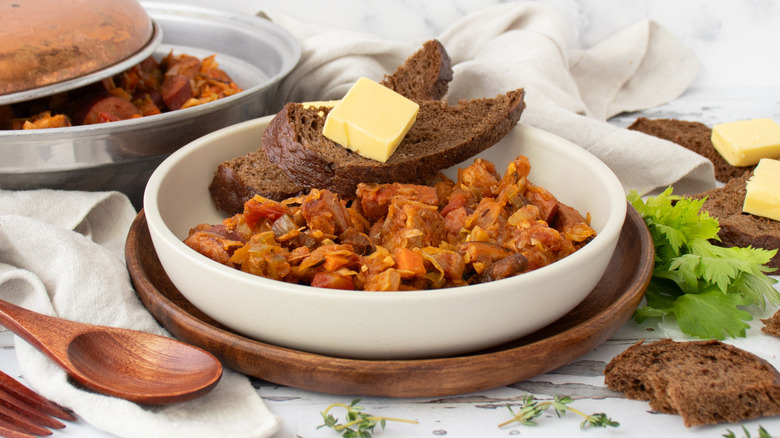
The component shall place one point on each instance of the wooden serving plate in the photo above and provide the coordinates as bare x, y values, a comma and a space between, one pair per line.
603, 311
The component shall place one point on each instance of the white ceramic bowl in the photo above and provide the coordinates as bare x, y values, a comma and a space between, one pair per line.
383, 325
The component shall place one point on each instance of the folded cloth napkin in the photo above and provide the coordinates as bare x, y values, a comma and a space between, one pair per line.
62, 254
569, 92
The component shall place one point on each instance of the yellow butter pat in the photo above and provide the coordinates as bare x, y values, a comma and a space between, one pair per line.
745, 142
319, 103
371, 120
763, 190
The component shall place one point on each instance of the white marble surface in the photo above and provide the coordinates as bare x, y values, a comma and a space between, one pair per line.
737, 44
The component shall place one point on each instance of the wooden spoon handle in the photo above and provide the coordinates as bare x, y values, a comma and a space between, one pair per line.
48, 334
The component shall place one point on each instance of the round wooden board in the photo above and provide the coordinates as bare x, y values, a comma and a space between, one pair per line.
603, 311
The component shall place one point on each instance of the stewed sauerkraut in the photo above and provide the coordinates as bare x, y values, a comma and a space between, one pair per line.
146, 89
392, 237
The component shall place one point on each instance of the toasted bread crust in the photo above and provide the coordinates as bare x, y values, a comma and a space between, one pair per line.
240, 179
423, 76
705, 382
442, 136
694, 136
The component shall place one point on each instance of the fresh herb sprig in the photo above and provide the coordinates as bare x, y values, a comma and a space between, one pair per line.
762, 433
359, 424
698, 283
531, 409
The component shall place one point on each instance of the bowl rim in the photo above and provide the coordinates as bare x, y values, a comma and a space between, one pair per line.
605, 238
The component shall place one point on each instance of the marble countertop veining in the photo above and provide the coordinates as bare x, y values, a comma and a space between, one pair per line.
737, 44
710, 105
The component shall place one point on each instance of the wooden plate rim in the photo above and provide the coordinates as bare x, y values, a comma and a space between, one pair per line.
513, 362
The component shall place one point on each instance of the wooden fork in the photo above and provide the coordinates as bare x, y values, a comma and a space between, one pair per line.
25, 413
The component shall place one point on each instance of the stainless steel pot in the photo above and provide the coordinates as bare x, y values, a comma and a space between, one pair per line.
121, 155
48, 48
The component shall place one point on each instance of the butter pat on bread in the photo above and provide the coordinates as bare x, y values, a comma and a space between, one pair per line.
370, 120
745, 142
763, 190
319, 103
424, 76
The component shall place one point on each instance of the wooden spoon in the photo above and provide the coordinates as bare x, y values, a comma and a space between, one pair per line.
133, 365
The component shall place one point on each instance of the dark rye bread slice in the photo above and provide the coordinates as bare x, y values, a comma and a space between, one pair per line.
690, 135
737, 228
705, 382
240, 179
425, 75
443, 135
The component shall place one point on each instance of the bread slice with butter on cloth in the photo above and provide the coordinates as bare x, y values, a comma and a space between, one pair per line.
724, 203
424, 75
705, 382
695, 136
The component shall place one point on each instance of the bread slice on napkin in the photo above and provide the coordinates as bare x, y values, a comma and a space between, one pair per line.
694, 136
705, 382
442, 136
425, 75
724, 203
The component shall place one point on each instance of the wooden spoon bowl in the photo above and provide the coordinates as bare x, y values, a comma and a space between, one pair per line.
133, 365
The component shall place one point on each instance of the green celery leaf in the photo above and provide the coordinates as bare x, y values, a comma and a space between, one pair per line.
671, 237
680, 282
721, 266
701, 284
659, 301
755, 258
686, 216
646, 312
687, 267
711, 314
756, 289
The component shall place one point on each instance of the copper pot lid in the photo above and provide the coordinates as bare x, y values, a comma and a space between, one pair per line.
47, 47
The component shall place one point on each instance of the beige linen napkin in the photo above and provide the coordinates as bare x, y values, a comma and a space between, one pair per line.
62, 254
569, 92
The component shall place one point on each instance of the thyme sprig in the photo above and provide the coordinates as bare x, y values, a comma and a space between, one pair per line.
359, 424
532, 409
762, 433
